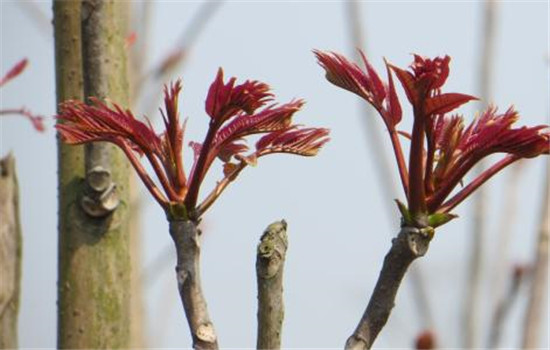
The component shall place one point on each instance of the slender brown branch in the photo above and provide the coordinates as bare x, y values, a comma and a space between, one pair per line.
410, 244
11, 243
539, 284
186, 236
270, 260
506, 222
503, 306
471, 308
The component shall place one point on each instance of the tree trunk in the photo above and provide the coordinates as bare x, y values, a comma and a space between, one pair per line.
94, 262
11, 242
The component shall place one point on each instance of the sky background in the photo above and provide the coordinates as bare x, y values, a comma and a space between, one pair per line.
339, 224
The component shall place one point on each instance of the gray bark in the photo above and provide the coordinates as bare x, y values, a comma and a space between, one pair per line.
410, 244
186, 236
270, 260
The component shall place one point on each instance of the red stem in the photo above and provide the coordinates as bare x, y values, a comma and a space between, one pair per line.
398, 151
200, 168
455, 176
147, 181
478, 181
428, 177
417, 197
162, 177
220, 187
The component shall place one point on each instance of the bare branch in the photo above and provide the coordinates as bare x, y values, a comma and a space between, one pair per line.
410, 244
186, 236
503, 306
539, 285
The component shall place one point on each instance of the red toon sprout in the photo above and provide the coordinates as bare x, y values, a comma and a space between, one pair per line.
236, 111
443, 150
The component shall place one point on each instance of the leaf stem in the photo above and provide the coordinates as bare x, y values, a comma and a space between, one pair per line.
478, 181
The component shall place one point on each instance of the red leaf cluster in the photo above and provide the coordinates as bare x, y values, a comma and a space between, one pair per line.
442, 150
235, 112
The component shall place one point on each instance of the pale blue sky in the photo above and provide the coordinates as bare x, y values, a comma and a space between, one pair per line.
338, 226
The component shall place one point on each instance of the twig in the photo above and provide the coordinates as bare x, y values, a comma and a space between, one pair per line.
503, 306
11, 242
38, 17
506, 223
539, 284
385, 175
186, 236
410, 244
182, 47
471, 305
270, 260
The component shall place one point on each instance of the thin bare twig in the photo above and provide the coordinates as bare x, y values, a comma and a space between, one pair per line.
471, 309
506, 223
183, 45
270, 260
38, 17
539, 285
504, 304
383, 167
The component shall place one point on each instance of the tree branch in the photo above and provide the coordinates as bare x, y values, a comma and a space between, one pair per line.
186, 236
11, 242
410, 244
270, 260
539, 284
504, 305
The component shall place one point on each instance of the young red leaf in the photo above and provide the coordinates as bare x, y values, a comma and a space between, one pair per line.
445, 103
378, 88
430, 73
393, 106
81, 123
272, 118
345, 74
407, 81
304, 142
14, 71
226, 100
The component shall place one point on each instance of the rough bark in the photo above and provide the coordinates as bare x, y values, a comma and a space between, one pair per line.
410, 244
538, 294
11, 242
94, 264
270, 260
186, 236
